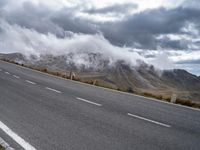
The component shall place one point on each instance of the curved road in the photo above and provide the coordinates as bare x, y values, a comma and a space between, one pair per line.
42, 112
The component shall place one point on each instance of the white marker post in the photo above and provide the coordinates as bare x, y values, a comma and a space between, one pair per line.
173, 98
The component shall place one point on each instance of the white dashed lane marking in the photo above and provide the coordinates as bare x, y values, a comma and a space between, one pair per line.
87, 101
16, 76
149, 120
54, 90
7, 72
30, 82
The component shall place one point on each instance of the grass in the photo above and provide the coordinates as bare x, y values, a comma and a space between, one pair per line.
2, 148
178, 100
188, 103
105, 85
160, 97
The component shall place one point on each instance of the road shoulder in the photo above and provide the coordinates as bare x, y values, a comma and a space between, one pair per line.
4, 145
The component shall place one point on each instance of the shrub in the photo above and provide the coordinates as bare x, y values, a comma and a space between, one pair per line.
44, 70
188, 103
152, 95
2, 148
130, 90
168, 99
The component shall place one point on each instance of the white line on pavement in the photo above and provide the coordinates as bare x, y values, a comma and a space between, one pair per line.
53, 90
149, 120
16, 76
7, 73
30, 82
16, 137
87, 101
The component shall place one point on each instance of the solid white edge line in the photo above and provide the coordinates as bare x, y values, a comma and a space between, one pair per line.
48, 88
149, 120
30, 82
5, 145
16, 137
16, 76
87, 101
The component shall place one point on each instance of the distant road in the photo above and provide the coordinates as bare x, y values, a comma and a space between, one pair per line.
42, 112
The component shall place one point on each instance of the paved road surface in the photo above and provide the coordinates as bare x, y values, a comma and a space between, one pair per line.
38, 111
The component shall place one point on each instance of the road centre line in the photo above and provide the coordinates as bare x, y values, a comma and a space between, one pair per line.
16, 76
87, 101
149, 120
30, 82
54, 90
7, 72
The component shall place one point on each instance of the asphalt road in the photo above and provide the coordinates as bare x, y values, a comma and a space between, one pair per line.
49, 113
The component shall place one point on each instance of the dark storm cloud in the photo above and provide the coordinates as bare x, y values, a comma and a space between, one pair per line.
172, 44
45, 20
117, 8
32, 16
145, 26
137, 30
67, 21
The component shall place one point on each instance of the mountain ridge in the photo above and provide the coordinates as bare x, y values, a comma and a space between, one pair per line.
142, 78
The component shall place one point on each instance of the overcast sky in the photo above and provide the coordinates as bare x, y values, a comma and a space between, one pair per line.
165, 33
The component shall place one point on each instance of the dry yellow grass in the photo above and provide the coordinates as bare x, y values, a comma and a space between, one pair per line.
157, 95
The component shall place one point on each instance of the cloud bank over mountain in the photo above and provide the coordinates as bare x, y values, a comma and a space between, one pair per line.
165, 34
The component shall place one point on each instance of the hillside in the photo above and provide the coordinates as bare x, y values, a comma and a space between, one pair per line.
143, 78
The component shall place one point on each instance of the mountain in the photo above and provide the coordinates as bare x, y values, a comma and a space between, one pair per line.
142, 78
17, 57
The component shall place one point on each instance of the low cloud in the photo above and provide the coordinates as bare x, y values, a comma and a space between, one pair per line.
153, 34
15, 38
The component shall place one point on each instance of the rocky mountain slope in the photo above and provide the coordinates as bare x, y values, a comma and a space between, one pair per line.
142, 78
